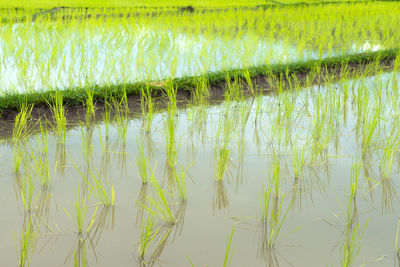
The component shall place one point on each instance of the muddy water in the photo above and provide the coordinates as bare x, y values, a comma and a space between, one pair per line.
312, 234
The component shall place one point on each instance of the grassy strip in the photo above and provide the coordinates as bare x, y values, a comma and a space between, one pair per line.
77, 96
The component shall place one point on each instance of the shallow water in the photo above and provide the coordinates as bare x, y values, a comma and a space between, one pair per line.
313, 232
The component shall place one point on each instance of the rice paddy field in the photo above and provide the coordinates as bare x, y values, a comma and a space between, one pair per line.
199, 133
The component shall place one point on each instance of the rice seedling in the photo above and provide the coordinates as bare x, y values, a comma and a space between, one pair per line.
148, 109
107, 118
171, 125
41, 161
21, 131
159, 205
27, 190
79, 213
59, 115
121, 117
299, 161
153, 242
271, 209
20, 134
99, 188
87, 142
272, 216
227, 259
352, 244
148, 233
142, 162
387, 160
80, 254
105, 154
90, 106
180, 183
352, 241
397, 244
223, 158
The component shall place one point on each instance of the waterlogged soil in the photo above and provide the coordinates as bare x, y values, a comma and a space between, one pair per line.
317, 201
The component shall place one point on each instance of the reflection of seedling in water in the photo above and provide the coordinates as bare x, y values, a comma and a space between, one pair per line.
153, 240
221, 200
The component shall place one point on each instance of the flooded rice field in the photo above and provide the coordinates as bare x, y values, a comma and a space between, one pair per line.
301, 177
58, 54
